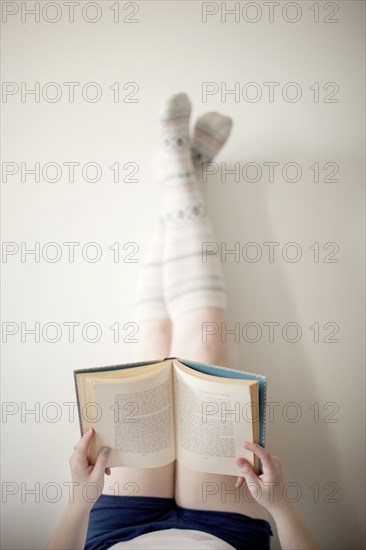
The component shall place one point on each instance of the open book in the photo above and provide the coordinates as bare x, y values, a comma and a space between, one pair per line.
153, 413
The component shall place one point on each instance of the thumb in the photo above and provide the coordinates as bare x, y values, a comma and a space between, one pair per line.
101, 462
247, 471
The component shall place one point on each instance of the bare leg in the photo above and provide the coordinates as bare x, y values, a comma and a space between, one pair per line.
197, 490
200, 491
154, 337
154, 343
141, 482
187, 337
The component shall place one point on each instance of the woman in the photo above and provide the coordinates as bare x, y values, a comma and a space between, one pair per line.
176, 293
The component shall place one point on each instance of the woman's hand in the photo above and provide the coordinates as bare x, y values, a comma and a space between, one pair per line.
88, 479
267, 488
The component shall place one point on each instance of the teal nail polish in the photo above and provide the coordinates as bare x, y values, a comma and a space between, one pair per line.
106, 452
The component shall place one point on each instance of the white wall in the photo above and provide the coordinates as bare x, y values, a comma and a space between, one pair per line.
169, 50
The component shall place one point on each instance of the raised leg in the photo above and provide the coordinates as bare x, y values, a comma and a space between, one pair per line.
195, 294
188, 337
197, 490
170, 309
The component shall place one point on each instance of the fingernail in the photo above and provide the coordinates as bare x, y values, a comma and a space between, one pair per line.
106, 452
241, 461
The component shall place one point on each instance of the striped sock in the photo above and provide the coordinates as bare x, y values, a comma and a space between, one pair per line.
188, 282
209, 135
149, 302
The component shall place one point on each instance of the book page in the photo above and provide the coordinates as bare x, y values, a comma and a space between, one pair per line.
213, 418
137, 420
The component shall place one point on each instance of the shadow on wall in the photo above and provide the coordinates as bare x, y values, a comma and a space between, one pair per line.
299, 430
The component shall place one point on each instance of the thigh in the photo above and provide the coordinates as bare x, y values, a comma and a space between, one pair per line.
141, 482
197, 335
154, 343
153, 339
201, 491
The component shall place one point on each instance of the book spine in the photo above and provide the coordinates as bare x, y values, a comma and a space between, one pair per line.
78, 405
221, 367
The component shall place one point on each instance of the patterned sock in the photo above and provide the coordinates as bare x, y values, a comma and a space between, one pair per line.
149, 302
188, 282
209, 135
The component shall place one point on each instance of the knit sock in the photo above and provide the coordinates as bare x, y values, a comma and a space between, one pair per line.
149, 302
209, 135
188, 281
